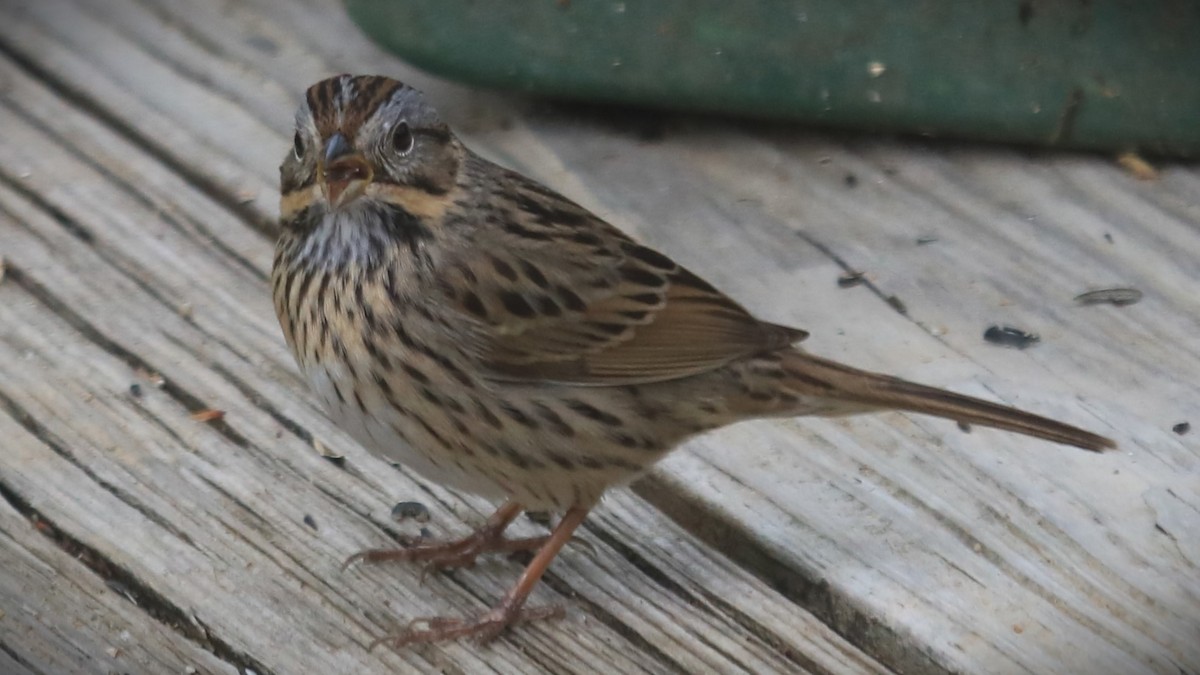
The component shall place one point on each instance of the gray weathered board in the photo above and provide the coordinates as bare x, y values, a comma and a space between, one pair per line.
138, 146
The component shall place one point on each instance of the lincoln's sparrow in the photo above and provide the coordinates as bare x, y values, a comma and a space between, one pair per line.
477, 326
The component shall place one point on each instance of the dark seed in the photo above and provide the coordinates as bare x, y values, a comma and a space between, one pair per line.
1007, 336
135, 390
851, 180
964, 427
850, 279
310, 521
1182, 428
926, 239
897, 304
1112, 296
410, 510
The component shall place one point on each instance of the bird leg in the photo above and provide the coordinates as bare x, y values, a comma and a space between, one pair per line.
489, 538
508, 611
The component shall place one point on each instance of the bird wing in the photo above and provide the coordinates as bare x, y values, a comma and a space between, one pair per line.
562, 296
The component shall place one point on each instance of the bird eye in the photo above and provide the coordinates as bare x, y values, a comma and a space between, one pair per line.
298, 146
402, 139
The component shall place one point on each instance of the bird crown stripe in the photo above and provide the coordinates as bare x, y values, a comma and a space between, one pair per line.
373, 92
330, 102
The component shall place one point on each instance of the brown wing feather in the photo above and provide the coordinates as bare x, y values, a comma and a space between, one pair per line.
565, 297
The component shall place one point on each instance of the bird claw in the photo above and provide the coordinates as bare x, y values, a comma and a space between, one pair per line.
588, 548
445, 556
484, 629
443, 565
353, 560
375, 555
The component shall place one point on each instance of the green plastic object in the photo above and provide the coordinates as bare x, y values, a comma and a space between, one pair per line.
1097, 74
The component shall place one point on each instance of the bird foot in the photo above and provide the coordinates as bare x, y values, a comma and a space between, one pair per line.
484, 628
450, 554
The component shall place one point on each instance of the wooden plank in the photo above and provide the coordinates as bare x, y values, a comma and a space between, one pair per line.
933, 558
59, 616
962, 544
117, 265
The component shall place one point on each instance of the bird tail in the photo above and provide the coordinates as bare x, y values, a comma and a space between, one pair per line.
812, 376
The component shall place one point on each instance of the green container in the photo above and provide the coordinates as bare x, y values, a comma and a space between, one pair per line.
1100, 74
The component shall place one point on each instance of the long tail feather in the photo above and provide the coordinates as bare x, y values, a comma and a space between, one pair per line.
816, 376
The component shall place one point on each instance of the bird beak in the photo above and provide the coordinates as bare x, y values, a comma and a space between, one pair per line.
345, 171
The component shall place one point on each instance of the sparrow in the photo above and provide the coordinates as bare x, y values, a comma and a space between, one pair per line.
478, 327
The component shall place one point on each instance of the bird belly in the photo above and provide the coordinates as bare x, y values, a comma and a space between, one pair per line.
387, 434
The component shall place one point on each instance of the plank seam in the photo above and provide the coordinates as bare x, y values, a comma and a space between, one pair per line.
749, 624
201, 236
264, 225
127, 585
19, 660
843, 616
189, 401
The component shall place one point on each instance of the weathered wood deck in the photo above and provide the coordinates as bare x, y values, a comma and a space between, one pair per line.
139, 141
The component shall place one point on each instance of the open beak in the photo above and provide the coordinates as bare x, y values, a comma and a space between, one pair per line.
345, 171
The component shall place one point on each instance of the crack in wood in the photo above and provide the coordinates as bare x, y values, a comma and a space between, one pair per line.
67, 222
200, 234
615, 624
891, 300
143, 597
126, 268
269, 553
39, 431
350, 508
256, 399
859, 628
661, 578
181, 68
265, 226
19, 660
189, 401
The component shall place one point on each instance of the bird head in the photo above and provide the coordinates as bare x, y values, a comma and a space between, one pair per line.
366, 138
